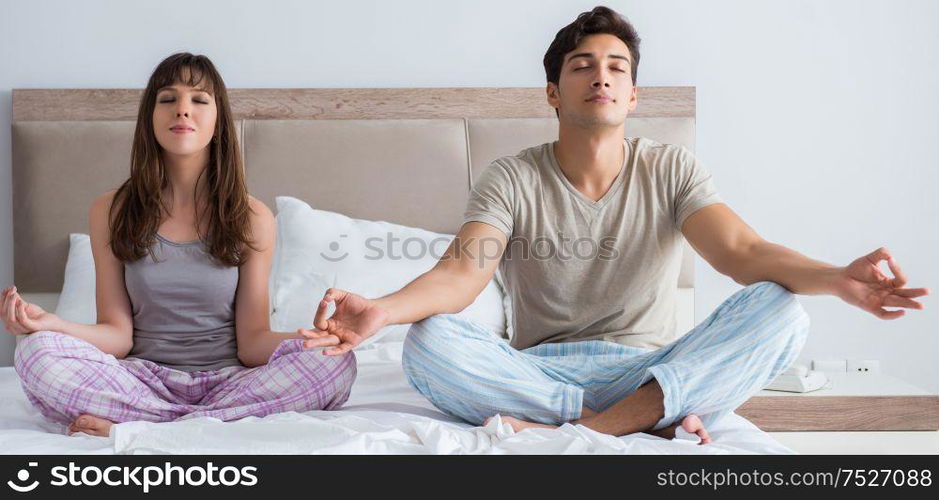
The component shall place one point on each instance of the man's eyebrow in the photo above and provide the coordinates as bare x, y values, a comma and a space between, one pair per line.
589, 55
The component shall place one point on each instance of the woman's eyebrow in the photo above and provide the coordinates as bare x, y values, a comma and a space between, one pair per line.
174, 89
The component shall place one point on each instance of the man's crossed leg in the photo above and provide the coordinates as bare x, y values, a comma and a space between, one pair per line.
743, 345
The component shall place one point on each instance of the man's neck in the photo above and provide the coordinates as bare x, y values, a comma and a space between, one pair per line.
590, 158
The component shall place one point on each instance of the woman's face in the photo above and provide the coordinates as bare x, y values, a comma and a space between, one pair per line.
184, 119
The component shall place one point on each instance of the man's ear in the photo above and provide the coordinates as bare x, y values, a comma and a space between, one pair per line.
553, 94
633, 99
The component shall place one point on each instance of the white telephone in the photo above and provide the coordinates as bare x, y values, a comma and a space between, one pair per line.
799, 378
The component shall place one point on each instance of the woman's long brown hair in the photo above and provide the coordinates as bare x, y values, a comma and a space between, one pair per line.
138, 206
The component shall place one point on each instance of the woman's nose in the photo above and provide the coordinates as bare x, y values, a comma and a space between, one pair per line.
182, 109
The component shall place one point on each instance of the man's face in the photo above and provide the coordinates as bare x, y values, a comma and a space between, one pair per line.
595, 88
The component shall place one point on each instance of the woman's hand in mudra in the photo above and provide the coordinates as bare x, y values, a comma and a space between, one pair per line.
21, 317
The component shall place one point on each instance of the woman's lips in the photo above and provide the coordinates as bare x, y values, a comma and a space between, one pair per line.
182, 130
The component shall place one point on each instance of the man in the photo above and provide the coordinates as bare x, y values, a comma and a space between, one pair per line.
593, 341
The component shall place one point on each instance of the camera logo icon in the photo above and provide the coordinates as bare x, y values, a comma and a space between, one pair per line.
23, 476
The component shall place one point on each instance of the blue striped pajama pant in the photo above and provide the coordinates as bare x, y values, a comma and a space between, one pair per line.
468, 372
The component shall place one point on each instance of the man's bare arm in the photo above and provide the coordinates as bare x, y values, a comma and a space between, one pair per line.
456, 280
734, 249
453, 284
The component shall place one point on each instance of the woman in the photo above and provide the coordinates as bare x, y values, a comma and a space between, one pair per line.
182, 258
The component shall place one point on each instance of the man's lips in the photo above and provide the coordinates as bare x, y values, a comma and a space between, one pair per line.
600, 99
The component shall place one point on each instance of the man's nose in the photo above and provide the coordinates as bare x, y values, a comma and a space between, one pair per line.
602, 80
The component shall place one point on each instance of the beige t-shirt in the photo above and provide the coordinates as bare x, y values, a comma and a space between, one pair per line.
576, 269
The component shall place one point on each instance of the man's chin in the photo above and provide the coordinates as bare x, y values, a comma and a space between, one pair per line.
598, 121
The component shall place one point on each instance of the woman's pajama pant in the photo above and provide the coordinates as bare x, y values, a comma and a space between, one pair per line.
65, 377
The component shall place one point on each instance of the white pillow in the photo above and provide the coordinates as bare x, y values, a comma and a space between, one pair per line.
77, 300
319, 249
294, 295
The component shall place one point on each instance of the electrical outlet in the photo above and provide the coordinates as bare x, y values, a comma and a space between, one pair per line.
830, 365
863, 366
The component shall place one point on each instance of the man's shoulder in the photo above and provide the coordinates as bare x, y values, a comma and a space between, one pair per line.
526, 163
535, 161
655, 157
653, 149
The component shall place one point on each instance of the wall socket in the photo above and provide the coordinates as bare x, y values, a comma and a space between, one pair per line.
863, 366
846, 365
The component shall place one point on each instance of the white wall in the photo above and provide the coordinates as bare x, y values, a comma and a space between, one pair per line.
818, 119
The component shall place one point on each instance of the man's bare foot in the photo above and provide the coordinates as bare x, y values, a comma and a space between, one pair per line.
691, 424
91, 425
518, 425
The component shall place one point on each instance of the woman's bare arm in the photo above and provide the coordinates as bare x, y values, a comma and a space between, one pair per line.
256, 341
113, 332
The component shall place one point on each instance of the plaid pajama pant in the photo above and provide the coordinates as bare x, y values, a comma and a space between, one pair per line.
466, 371
65, 377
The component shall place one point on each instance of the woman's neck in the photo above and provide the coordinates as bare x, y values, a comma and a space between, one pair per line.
183, 173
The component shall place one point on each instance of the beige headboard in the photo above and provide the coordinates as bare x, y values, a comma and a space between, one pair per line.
403, 155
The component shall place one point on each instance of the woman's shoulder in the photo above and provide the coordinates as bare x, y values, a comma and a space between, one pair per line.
259, 208
262, 219
102, 204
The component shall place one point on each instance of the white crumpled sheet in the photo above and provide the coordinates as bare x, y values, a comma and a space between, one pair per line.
383, 416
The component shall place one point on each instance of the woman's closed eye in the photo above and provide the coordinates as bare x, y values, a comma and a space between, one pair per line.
173, 99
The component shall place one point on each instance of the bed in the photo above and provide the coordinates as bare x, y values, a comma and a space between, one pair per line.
383, 416
307, 146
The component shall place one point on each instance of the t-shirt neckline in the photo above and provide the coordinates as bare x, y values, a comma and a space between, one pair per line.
610, 193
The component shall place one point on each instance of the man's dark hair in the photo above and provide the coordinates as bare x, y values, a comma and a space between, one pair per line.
599, 20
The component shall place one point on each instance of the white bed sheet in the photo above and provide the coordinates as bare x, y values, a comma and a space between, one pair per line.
384, 415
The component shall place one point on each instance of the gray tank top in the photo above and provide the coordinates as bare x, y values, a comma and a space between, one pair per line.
183, 304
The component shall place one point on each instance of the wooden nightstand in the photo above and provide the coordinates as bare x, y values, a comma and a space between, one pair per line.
854, 402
